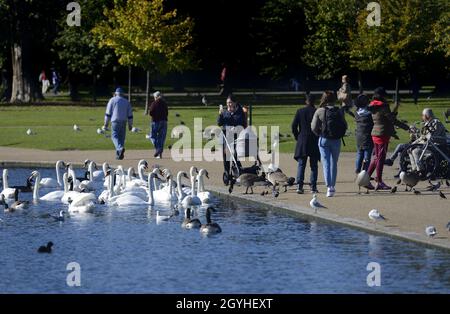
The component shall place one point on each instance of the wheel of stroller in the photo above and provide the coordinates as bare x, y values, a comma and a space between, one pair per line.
226, 178
428, 164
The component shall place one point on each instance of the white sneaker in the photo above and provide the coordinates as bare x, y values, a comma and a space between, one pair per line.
330, 192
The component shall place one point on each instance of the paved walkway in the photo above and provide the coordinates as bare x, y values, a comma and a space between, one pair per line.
407, 214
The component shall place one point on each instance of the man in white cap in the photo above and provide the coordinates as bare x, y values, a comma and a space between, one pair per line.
118, 111
432, 128
159, 111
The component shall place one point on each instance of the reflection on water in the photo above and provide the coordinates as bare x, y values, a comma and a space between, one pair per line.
124, 250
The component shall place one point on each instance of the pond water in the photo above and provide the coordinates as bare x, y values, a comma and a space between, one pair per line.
259, 251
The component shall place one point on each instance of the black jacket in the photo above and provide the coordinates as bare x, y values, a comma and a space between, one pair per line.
307, 141
364, 125
232, 119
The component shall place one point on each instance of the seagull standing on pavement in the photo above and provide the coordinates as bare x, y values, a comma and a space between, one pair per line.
76, 128
314, 203
430, 231
375, 215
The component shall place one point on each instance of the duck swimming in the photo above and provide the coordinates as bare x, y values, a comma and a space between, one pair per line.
45, 249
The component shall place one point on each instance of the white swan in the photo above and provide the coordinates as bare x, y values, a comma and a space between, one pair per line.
192, 199
205, 196
7, 191
130, 199
193, 171
51, 196
50, 182
90, 185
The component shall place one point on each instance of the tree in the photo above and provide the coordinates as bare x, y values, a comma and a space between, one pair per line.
401, 43
78, 47
278, 31
327, 43
143, 34
28, 35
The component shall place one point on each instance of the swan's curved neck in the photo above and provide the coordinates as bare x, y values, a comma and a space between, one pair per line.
193, 192
5, 179
150, 189
179, 189
91, 171
58, 173
141, 172
36, 187
66, 183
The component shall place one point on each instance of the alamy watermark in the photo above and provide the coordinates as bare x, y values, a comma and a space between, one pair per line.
373, 279
73, 279
374, 17
74, 17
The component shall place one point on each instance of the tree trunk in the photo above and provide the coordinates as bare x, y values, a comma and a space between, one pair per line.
21, 85
397, 94
129, 83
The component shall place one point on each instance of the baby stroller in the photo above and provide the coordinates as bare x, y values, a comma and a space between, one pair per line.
243, 145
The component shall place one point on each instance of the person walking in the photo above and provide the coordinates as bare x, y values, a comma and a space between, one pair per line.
56, 80
329, 124
345, 95
384, 121
159, 111
364, 143
118, 112
306, 146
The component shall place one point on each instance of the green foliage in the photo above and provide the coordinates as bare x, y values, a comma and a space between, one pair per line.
143, 34
277, 31
326, 46
403, 39
78, 47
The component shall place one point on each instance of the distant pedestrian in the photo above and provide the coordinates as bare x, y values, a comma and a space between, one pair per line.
364, 143
306, 146
44, 81
329, 124
159, 111
56, 81
384, 121
344, 95
119, 111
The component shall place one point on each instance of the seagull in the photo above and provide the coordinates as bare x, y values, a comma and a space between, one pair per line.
135, 130
447, 183
204, 101
375, 215
100, 131
442, 195
314, 203
431, 231
76, 128
29, 132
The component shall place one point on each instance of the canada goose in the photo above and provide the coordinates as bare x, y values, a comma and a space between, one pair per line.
60, 217
18, 205
46, 249
248, 180
410, 179
210, 227
25, 188
7, 191
278, 178
189, 223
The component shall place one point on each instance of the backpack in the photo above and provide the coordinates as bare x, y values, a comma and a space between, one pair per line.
333, 126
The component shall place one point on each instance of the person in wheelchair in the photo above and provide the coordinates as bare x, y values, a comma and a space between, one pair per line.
433, 130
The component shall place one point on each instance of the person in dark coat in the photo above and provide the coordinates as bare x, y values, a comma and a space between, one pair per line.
364, 143
307, 145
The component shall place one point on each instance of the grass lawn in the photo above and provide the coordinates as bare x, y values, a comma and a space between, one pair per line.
53, 125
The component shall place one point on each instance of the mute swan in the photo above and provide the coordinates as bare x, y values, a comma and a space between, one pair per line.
7, 191
130, 199
50, 182
96, 174
50, 197
162, 218
205, 196
181, 194
84, 208
193, 171
165, 195
210, 227
192, 199
189, 223
90, 185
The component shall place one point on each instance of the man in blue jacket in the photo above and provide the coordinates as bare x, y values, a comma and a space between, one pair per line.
118, 111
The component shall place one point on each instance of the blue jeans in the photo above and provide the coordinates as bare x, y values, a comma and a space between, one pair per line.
158, 137
301, 171
363, 155
118, 131
329, 153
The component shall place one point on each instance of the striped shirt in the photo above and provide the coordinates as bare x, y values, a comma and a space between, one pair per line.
118, 109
